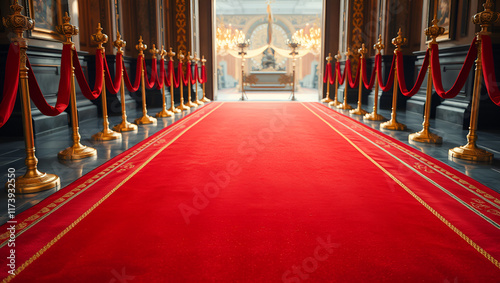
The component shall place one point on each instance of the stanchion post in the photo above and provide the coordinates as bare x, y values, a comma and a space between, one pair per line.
189, 59
470, 151
425, 135
197, 101
106, 134
393, 124
360, 111
335, 101
164, 112
327, 98
204, 99
124, 126
33, 180
182, 106
172, 108
77, 151
374, 116
145, 119
344, 105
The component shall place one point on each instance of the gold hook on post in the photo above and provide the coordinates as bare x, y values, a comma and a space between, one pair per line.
327, 98
393, 124
164, 112
33, 180
470, 151
344, 105
124, 126
374, 116
360, 111
335, 102
77, 151
145, 119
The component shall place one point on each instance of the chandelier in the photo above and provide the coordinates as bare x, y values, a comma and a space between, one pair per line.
227, 38
309, 38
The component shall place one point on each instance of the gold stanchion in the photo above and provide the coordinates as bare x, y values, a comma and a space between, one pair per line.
172, 108
204, 99
197, 101
344, 104
327, 98
145, 119
77, 151
189, 58
470, 151
106, 134
124, 126
181, 106
374, 116
425, 135
335, 101
164, 112
33, 180
393, 123
359, 110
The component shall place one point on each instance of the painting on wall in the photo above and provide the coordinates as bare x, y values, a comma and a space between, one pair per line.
48, 14
444, 10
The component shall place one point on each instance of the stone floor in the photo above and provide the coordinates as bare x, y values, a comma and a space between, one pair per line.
12, 152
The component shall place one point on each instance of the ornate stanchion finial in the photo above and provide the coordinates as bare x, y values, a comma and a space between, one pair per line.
172, 108
164, 112
154, 51
67, 29
360, 111
106, 134
374, 116
327, 98
182, 106
145, 119
393, 124
335, 101
124, 126
344, 105
425, 135
33, 180
171, 54
470, 151
141, 47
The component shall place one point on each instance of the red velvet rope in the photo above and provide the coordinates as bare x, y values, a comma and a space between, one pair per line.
114, 86
10, 84
420, 78
203, 78
370, 84
387, 86
340, 78
194, 75
161, 77
489, 70
64, 86
168, 72
150, 83
82, 81
178, 79
137, 82
328, 70
354, 83
462, 76
187, 78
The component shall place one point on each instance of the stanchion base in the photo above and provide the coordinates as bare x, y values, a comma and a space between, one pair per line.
164, 113
374, 117
358, 111
174, 110
425, 137
37, 182
191, 104
182, 107
393, 125
344, 106
471, 153
204, 99
199, 102
77, 151
125, 126
326, 100
334, 103
106, 135
145, 120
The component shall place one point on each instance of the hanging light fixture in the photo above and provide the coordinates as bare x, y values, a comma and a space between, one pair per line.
227, 38
309, 38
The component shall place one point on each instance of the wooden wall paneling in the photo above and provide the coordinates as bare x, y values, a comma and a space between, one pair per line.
206, 22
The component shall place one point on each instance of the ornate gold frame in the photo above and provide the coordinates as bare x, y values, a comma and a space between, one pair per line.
42, 33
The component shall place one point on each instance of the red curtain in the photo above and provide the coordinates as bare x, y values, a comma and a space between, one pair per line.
389, 84
137, 82
82, 81
64, 86
114, 86
462, 76
10, 84
420, 78
489, 70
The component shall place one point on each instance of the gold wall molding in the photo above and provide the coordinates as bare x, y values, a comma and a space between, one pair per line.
180, 23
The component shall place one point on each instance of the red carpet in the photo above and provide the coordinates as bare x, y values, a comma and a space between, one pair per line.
263, 192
